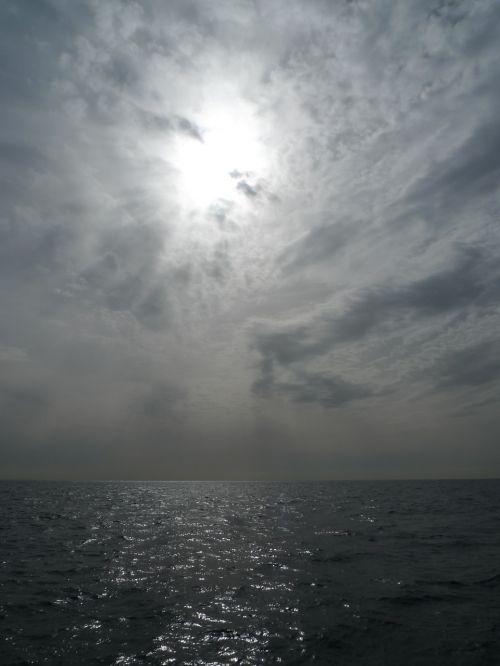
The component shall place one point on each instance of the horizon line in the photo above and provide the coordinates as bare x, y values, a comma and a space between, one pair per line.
250, 480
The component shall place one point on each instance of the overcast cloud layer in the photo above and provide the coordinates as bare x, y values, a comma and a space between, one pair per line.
330, 311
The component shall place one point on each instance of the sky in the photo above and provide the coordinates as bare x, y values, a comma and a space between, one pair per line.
249, 239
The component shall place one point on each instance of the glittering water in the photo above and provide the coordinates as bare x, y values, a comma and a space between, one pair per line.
250, 573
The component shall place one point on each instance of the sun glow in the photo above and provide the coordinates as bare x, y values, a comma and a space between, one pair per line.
228, 153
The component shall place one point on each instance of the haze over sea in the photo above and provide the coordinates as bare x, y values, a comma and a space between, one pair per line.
404, 572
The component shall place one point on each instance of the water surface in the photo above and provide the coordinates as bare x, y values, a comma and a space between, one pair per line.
250, 573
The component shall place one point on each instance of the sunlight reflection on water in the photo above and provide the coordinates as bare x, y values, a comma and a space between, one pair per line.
215, 573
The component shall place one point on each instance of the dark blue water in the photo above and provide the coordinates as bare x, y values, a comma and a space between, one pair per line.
250, 573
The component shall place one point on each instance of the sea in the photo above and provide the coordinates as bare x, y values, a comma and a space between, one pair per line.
205, 573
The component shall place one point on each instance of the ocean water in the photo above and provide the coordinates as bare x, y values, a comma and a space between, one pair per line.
250, 573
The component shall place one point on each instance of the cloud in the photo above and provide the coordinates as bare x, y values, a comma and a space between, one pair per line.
465, 284
21, 155
190, 128
471, 367
249, 190
121, 71
319, 245
12, 355
166, 124
362, 249
321, 389
22, 403
470, 172
375, 311
162, 401
142, 292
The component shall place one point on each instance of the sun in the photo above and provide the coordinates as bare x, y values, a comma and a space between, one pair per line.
229, 150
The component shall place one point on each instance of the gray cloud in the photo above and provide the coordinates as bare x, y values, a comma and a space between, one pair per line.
20, 155
161, 401
128, 279
325, 390
465, 284
121, 71
164, 124
22, 402
470, 172
249, 190
473, 366
319, 245
315, 388
190, 128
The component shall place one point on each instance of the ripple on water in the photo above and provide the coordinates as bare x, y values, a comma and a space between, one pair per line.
216, 573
